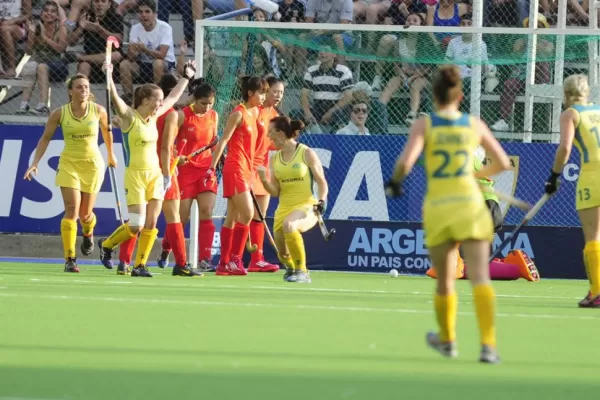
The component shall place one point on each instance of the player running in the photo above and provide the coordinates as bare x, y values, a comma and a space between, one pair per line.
81, 168
580, 123
293, 169
240, 138
197, 126
454, 210
145, 181
174, 237
261, 158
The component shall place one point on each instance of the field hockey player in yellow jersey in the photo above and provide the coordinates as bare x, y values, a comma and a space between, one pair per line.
294, 168
81, 167
454, 210
145, 181
580, 125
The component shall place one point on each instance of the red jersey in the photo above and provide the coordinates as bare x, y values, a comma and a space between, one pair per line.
263, 143
160, 126
198, 131
242, 145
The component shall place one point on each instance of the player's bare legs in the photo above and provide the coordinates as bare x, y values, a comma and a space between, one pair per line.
477, 253
68, 226
294, 224
590, 223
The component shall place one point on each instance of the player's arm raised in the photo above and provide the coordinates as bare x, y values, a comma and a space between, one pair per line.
272, 186
123, 110
189, 69
42, 146
499, 161
168, 139
107, 136
316, 167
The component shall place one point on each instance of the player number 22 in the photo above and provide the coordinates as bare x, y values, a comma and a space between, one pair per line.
442, 171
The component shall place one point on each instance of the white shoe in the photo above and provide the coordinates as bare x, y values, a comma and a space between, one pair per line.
501, 125
446, 349
376, 83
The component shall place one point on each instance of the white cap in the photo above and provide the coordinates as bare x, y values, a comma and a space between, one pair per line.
363, 86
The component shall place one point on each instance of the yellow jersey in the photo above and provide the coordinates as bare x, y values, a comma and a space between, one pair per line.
139, 143
295, 179
450, 143
80, 134
587, 134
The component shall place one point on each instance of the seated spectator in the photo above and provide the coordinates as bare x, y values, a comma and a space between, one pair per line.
460, 52
13, 30
290, 11
371, 12
46, 42
271, 46
386, 43
358, 118
516, 82
165, 7
261, 65
294, 57
331, 12
410, 75
498, 13
150, 53
102, 21
217, 7
361, 93
445, 13
329, 82
212, 65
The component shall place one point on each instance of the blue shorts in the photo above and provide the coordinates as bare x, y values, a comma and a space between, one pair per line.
221, 6
147, 73
57, 71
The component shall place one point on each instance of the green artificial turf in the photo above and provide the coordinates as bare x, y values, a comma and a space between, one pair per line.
96, 335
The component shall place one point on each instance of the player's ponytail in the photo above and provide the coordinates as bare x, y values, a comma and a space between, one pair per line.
290, 128
447, 85
576, 89
167, 83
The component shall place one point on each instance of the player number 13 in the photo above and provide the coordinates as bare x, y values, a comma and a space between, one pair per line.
584, 194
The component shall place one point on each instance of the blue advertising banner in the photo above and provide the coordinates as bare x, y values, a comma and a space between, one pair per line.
356, 168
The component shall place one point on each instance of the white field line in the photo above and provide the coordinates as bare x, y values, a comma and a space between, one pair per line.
294, 288
286, 307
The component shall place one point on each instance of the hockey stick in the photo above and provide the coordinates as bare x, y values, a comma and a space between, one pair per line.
110, 42
264, 221
327, 234
193, 154
513, 201
530, 215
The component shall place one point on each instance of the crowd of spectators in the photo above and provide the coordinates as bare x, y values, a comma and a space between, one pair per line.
330, 99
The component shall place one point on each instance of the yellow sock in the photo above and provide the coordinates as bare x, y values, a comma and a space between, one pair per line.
145, 243
295, 244
121, 234
445, 312
287, 262
68, 233
591, 256
88, 226
485, 308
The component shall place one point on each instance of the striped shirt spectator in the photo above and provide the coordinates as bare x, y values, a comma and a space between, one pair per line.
327, 81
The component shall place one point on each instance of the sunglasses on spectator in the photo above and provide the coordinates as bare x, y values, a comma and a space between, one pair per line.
49, 9
359, 110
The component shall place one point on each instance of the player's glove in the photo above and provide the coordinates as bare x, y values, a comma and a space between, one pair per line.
189, 70
167, 182
393, 189
552, 183
320, 207
210, 179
